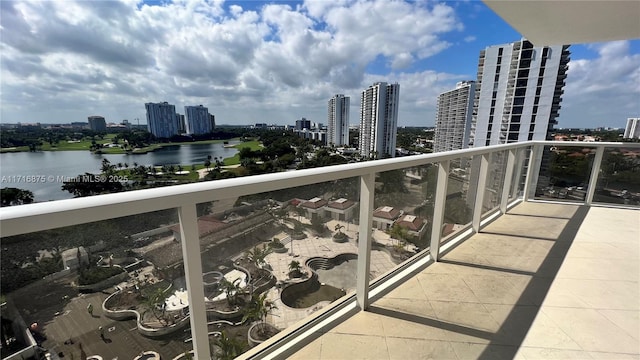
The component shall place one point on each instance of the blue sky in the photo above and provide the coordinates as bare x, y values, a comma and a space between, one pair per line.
274, 62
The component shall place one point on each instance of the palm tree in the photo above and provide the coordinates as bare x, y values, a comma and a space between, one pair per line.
152, 301
257, 255
295, 269
230, 348
399, 233
231, 290
258, 310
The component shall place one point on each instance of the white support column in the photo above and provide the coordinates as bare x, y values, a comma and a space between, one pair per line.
508, 181
516, 180
533, 169
193, 277
438, 209
593, 178
367, 189
482, 184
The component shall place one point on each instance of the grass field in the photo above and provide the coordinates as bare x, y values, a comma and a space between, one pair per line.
234, 160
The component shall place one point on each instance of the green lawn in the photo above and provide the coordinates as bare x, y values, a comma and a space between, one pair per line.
234, 160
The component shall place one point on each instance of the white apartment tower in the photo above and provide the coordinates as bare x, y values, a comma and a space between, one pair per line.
162, 121
197, 120
632, 130
379, 120
453, 117
518, 92
338, 120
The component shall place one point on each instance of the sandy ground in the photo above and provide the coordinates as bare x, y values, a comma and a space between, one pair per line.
203, 172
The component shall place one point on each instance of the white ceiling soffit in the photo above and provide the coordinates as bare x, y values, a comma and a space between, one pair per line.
545, 22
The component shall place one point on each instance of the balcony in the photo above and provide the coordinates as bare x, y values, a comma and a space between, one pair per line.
507, 266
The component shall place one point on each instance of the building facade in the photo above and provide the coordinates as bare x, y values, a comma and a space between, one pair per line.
453, 117
97, 123
338, 120
197, 120
162, 121
303, 124
518, 93
379, 120
632, 130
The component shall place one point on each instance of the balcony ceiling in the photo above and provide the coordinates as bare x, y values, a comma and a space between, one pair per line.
570, 22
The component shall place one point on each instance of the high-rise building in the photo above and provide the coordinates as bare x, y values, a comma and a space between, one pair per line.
97, 123
379, 120
338, 120
518, 92
632, 130
162, 121
303, 124
453, 117
197, 121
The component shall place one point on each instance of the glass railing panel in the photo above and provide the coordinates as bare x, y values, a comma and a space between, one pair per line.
461, 195
564, 173
272, 259
495, 181
619, 177
519, 174
402, 216
112, 288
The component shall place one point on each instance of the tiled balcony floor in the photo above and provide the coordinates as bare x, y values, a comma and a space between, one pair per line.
545, 281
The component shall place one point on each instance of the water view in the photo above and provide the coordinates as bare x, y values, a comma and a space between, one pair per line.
14, 167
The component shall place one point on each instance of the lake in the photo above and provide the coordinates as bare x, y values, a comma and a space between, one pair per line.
14, 167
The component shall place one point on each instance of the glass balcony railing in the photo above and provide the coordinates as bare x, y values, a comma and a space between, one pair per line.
255, 264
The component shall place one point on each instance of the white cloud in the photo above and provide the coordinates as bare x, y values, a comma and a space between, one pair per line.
612, 78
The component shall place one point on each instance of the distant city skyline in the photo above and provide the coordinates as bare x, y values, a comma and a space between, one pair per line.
258, 62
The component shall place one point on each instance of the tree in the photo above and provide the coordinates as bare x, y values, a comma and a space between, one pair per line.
231, 290
153, 300
15, 196
295, 270
258, 255
257, 310
230, 348
399, 233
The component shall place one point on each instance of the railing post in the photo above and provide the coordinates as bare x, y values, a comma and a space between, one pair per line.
508, 181
533, 170
193, 276
367, 189
482, 184
593, 178
438, 209
516, 180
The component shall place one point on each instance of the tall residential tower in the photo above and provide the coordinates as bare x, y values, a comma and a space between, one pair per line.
198, 121
518, 92
338, 120
453, 117
379, 120
162, 120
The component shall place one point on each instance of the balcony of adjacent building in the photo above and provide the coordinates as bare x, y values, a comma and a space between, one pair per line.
511, 258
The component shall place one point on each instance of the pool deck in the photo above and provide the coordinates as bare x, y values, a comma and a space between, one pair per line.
312, 246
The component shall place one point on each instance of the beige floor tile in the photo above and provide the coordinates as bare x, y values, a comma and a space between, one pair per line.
309, 352
628, 321
545, 333
613, 356
411, 289
465, 322
561, 211
601, 269
532, 353
496, 289
398, 323
469, 351
446, 287
591, 330
404, 349
363, 323
348, 347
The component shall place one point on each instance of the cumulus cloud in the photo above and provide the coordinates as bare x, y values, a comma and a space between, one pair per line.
63, 61
612, 78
